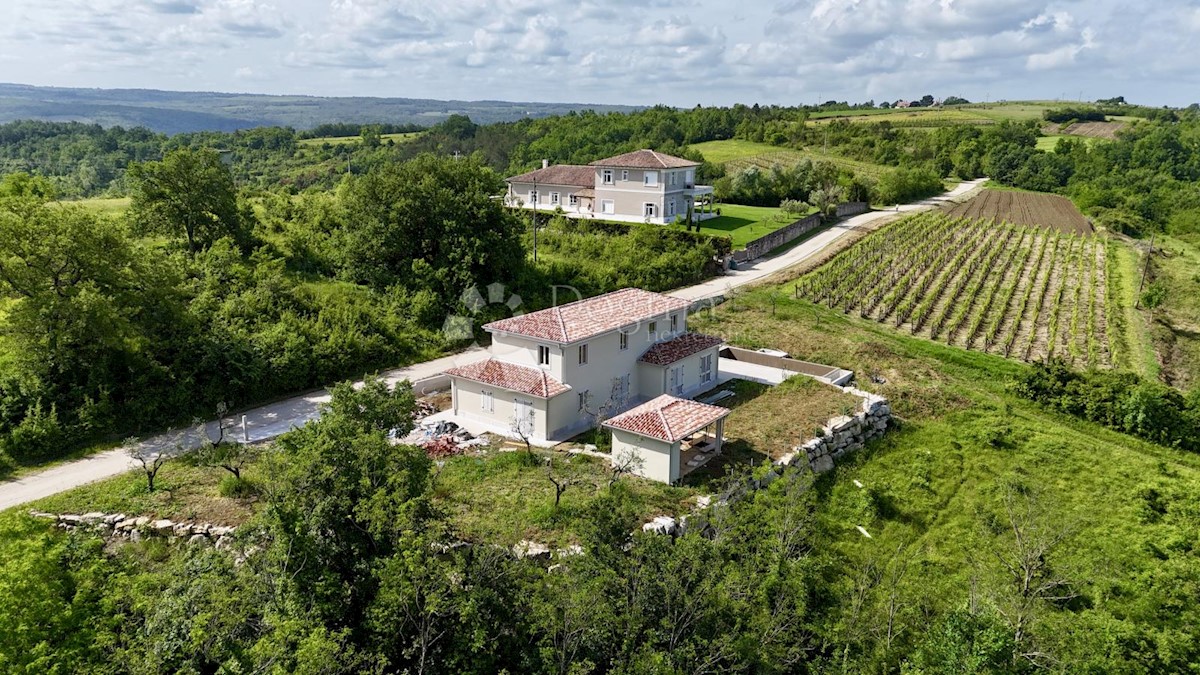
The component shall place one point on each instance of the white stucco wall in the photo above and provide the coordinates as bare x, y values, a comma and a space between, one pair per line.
467, 402
655, 380
660, 460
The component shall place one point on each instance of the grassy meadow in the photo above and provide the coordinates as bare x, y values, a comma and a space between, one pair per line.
349, 140
738, 154
934, 489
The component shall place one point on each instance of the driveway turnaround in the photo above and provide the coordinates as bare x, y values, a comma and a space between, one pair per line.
271, 420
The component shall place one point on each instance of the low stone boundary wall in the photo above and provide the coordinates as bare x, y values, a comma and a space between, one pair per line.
136, 528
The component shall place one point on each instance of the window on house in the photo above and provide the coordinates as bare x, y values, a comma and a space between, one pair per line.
620, 388
487, 402
650, 178
649, 209
582, 354
624, 174
706, 373
670, 208
533, 196
554, 198
573, 200
690, 177
607, 206
583, 399
672, 177
606, 176
674, 322
543, 355
653, 329
624, 341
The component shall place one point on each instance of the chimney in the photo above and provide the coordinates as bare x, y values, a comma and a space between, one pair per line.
545, 163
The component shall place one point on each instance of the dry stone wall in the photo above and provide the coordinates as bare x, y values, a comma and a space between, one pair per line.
136, 528
844, 434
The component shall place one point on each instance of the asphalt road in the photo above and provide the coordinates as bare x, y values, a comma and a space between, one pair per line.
271, 420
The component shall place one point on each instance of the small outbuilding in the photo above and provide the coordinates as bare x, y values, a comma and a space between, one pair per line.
669, 435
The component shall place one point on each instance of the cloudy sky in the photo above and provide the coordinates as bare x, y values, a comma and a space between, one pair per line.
678, 52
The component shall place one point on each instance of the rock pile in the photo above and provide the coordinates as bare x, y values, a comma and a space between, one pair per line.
136, 528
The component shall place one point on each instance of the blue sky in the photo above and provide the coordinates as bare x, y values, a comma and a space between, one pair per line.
678, 52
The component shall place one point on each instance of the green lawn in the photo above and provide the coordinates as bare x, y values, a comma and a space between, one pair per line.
744, 224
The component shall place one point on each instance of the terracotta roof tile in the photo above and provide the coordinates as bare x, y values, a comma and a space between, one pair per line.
591, 317
559, 174
645, 159
668, 418
510, 376
666, 353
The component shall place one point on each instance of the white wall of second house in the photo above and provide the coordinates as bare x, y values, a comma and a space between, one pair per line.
659, 459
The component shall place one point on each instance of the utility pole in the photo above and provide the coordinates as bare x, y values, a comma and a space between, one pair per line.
1145, 267
536, 196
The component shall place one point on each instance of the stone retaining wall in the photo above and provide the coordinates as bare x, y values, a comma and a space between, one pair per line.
840, 435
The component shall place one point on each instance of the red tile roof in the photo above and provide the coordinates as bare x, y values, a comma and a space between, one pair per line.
559, 174
668, 418
645, 159
588, 318
666, 353
524, 379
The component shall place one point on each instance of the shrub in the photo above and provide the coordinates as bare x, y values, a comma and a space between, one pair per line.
236, 488
1121, 401
39, 436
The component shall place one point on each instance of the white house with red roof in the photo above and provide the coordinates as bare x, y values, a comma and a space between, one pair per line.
663, 431
557, 371
639, 186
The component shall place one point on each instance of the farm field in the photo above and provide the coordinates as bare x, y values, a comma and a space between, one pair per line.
1024, 208
914, 117
1026, 293
1106, 130
344, 140
736, 155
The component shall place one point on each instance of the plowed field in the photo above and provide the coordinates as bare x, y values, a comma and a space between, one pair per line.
1024, 208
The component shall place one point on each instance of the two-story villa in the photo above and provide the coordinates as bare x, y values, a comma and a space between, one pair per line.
639, 186
557, 370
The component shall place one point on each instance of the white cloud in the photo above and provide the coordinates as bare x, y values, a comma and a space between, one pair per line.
619, 51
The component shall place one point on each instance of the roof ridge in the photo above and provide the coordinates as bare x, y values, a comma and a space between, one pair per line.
562, 325
663, 418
